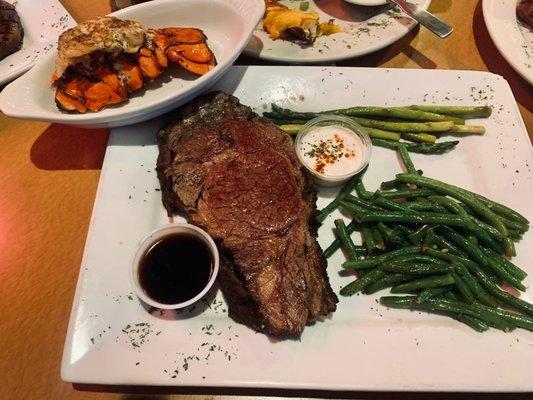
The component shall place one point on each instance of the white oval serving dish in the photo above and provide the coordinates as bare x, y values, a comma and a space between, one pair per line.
228, 25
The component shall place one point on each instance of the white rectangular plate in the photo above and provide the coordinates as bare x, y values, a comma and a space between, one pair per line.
362, 346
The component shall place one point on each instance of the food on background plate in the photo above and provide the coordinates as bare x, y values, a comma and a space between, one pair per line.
524, 12
11, 32
282, 22
101, 61
237, 176
421, 125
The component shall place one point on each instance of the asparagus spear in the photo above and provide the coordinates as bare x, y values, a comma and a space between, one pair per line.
441, 126
422, 148
406, 126
406, 113
291, 129
381, 134
397, 112
463, 129
418, 137
463, 111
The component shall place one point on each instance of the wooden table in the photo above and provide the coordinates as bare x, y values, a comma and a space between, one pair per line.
49, 175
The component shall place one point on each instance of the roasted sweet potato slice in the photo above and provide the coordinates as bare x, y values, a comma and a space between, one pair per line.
161, 57
68, 103
191, 66
149, 66
183, 35
131, 74
198, 52
110, 78
100, 95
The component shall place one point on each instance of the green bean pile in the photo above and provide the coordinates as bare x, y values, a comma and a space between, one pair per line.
418, 127
439, 243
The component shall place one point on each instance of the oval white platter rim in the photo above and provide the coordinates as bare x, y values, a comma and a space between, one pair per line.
323, 59
127, 112
506, 43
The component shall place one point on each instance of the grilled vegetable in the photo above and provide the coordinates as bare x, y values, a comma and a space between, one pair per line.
455, 265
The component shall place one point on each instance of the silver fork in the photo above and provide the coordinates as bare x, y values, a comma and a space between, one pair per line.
425, 18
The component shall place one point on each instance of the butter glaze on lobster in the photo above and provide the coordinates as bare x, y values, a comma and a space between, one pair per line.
104, 59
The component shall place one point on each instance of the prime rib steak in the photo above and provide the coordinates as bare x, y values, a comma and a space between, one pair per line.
237, 176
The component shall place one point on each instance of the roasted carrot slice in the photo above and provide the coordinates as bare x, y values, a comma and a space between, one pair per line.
149, 66
161, 40
191, 66
183, 35
145, 52
100, 95
111, 79
198, 52
131, 73
161, 57
161, 44
75, 87
134, 78
68, 103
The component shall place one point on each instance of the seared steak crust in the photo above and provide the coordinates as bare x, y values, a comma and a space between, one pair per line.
237, 176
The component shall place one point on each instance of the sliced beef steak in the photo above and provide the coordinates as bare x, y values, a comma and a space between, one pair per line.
237, 176
10, 30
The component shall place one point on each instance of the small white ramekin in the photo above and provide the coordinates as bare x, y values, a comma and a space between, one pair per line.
337, 120
151, 239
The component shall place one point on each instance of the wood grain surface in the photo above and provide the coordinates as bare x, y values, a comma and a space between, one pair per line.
49, 175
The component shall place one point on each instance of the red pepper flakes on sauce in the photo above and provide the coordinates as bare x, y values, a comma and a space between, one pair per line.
329, 152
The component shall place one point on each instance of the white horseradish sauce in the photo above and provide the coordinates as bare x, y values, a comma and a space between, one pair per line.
332, 151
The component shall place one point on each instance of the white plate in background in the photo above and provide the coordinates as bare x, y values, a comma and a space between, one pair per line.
228, 25
362, 346
365, 30
367, 2
513, 40
43, 21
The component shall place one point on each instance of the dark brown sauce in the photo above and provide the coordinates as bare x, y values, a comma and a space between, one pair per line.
176, 268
